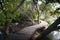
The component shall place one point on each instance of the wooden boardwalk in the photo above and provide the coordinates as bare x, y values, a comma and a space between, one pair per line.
25, 33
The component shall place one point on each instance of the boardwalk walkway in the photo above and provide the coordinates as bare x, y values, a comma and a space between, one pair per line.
25, 33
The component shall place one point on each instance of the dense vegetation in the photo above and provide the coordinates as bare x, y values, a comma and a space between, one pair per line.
46, 10
12, 11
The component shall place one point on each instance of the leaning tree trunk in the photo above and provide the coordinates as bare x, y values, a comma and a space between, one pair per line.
51, 28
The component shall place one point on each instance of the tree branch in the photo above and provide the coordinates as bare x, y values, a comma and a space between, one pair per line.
16, 8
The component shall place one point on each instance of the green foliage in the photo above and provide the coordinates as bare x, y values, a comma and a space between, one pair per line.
57, 10
8, 7
2, 18
35, 15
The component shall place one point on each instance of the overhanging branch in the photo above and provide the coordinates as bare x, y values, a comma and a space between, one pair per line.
18, 6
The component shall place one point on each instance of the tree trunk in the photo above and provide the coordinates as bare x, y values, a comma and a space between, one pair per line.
51, 28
